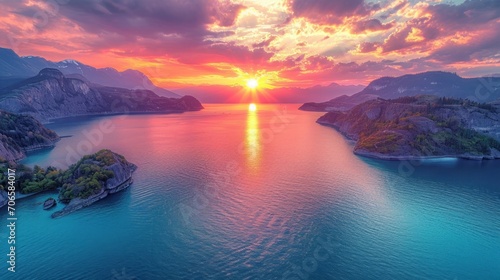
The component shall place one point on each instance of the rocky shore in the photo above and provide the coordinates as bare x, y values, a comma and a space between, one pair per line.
79, 203
420, 127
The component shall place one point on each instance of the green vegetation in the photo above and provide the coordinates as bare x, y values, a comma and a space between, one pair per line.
22, 131
38, 179
88, 176
81, 180
417, 126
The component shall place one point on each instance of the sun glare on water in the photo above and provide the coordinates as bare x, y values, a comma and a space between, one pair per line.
252, 107
252, 83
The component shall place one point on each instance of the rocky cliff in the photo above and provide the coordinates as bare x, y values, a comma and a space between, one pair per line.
442, 84
421, 126
20, 134
51, 95
93, 178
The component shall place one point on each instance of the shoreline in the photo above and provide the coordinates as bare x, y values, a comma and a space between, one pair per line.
379, 156
374, 155
53, 120
77, 203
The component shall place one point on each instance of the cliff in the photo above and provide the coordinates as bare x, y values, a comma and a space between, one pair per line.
421, 126
93, 178
20, 134
51, 95
441, 84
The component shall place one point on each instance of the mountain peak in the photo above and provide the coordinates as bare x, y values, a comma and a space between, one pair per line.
51, 73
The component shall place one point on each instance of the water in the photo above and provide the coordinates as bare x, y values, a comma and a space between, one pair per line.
228, 193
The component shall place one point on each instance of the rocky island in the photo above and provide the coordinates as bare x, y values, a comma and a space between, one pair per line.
93, 178
422, 126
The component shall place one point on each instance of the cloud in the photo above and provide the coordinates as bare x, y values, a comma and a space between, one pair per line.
330, 11
371, 25
367, 47
437, 24
301, 41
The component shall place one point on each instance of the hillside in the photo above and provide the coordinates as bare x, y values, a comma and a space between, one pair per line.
20, 134
51, 95
442, 84
421, 126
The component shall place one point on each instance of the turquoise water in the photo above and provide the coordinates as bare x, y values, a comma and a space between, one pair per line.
228, 193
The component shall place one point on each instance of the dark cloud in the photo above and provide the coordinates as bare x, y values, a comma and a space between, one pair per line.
144, 19
471, 12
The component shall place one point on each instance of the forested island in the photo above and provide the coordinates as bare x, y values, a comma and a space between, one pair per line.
90, 179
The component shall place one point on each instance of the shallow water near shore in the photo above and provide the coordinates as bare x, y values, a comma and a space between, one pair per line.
230, 193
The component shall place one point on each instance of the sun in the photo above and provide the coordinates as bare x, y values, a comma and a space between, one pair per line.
252, 83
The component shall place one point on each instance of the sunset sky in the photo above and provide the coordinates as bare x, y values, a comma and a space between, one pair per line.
280, 43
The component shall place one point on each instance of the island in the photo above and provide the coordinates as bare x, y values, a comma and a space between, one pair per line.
91, 179
423, 126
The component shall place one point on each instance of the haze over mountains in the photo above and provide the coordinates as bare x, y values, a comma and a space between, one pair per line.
14, 68
442, 84
239, 94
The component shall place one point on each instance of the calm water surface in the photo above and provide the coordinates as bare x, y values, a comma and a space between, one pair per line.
228, 193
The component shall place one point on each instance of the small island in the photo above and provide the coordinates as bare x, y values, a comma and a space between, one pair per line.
93, 178
419, 127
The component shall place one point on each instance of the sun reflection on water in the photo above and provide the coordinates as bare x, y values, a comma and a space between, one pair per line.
252, 139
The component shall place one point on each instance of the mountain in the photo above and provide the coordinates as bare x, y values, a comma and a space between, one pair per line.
420, 126
437, 83
20, 134
238, 94
50, 95
13, 66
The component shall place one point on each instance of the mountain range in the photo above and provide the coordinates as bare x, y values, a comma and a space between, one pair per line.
442, 84
50, 95
239, 94
14, 68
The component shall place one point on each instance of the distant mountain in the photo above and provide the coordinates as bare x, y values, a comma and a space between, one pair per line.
50, 95
237, 94
441, 84
13, 66
420, 127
